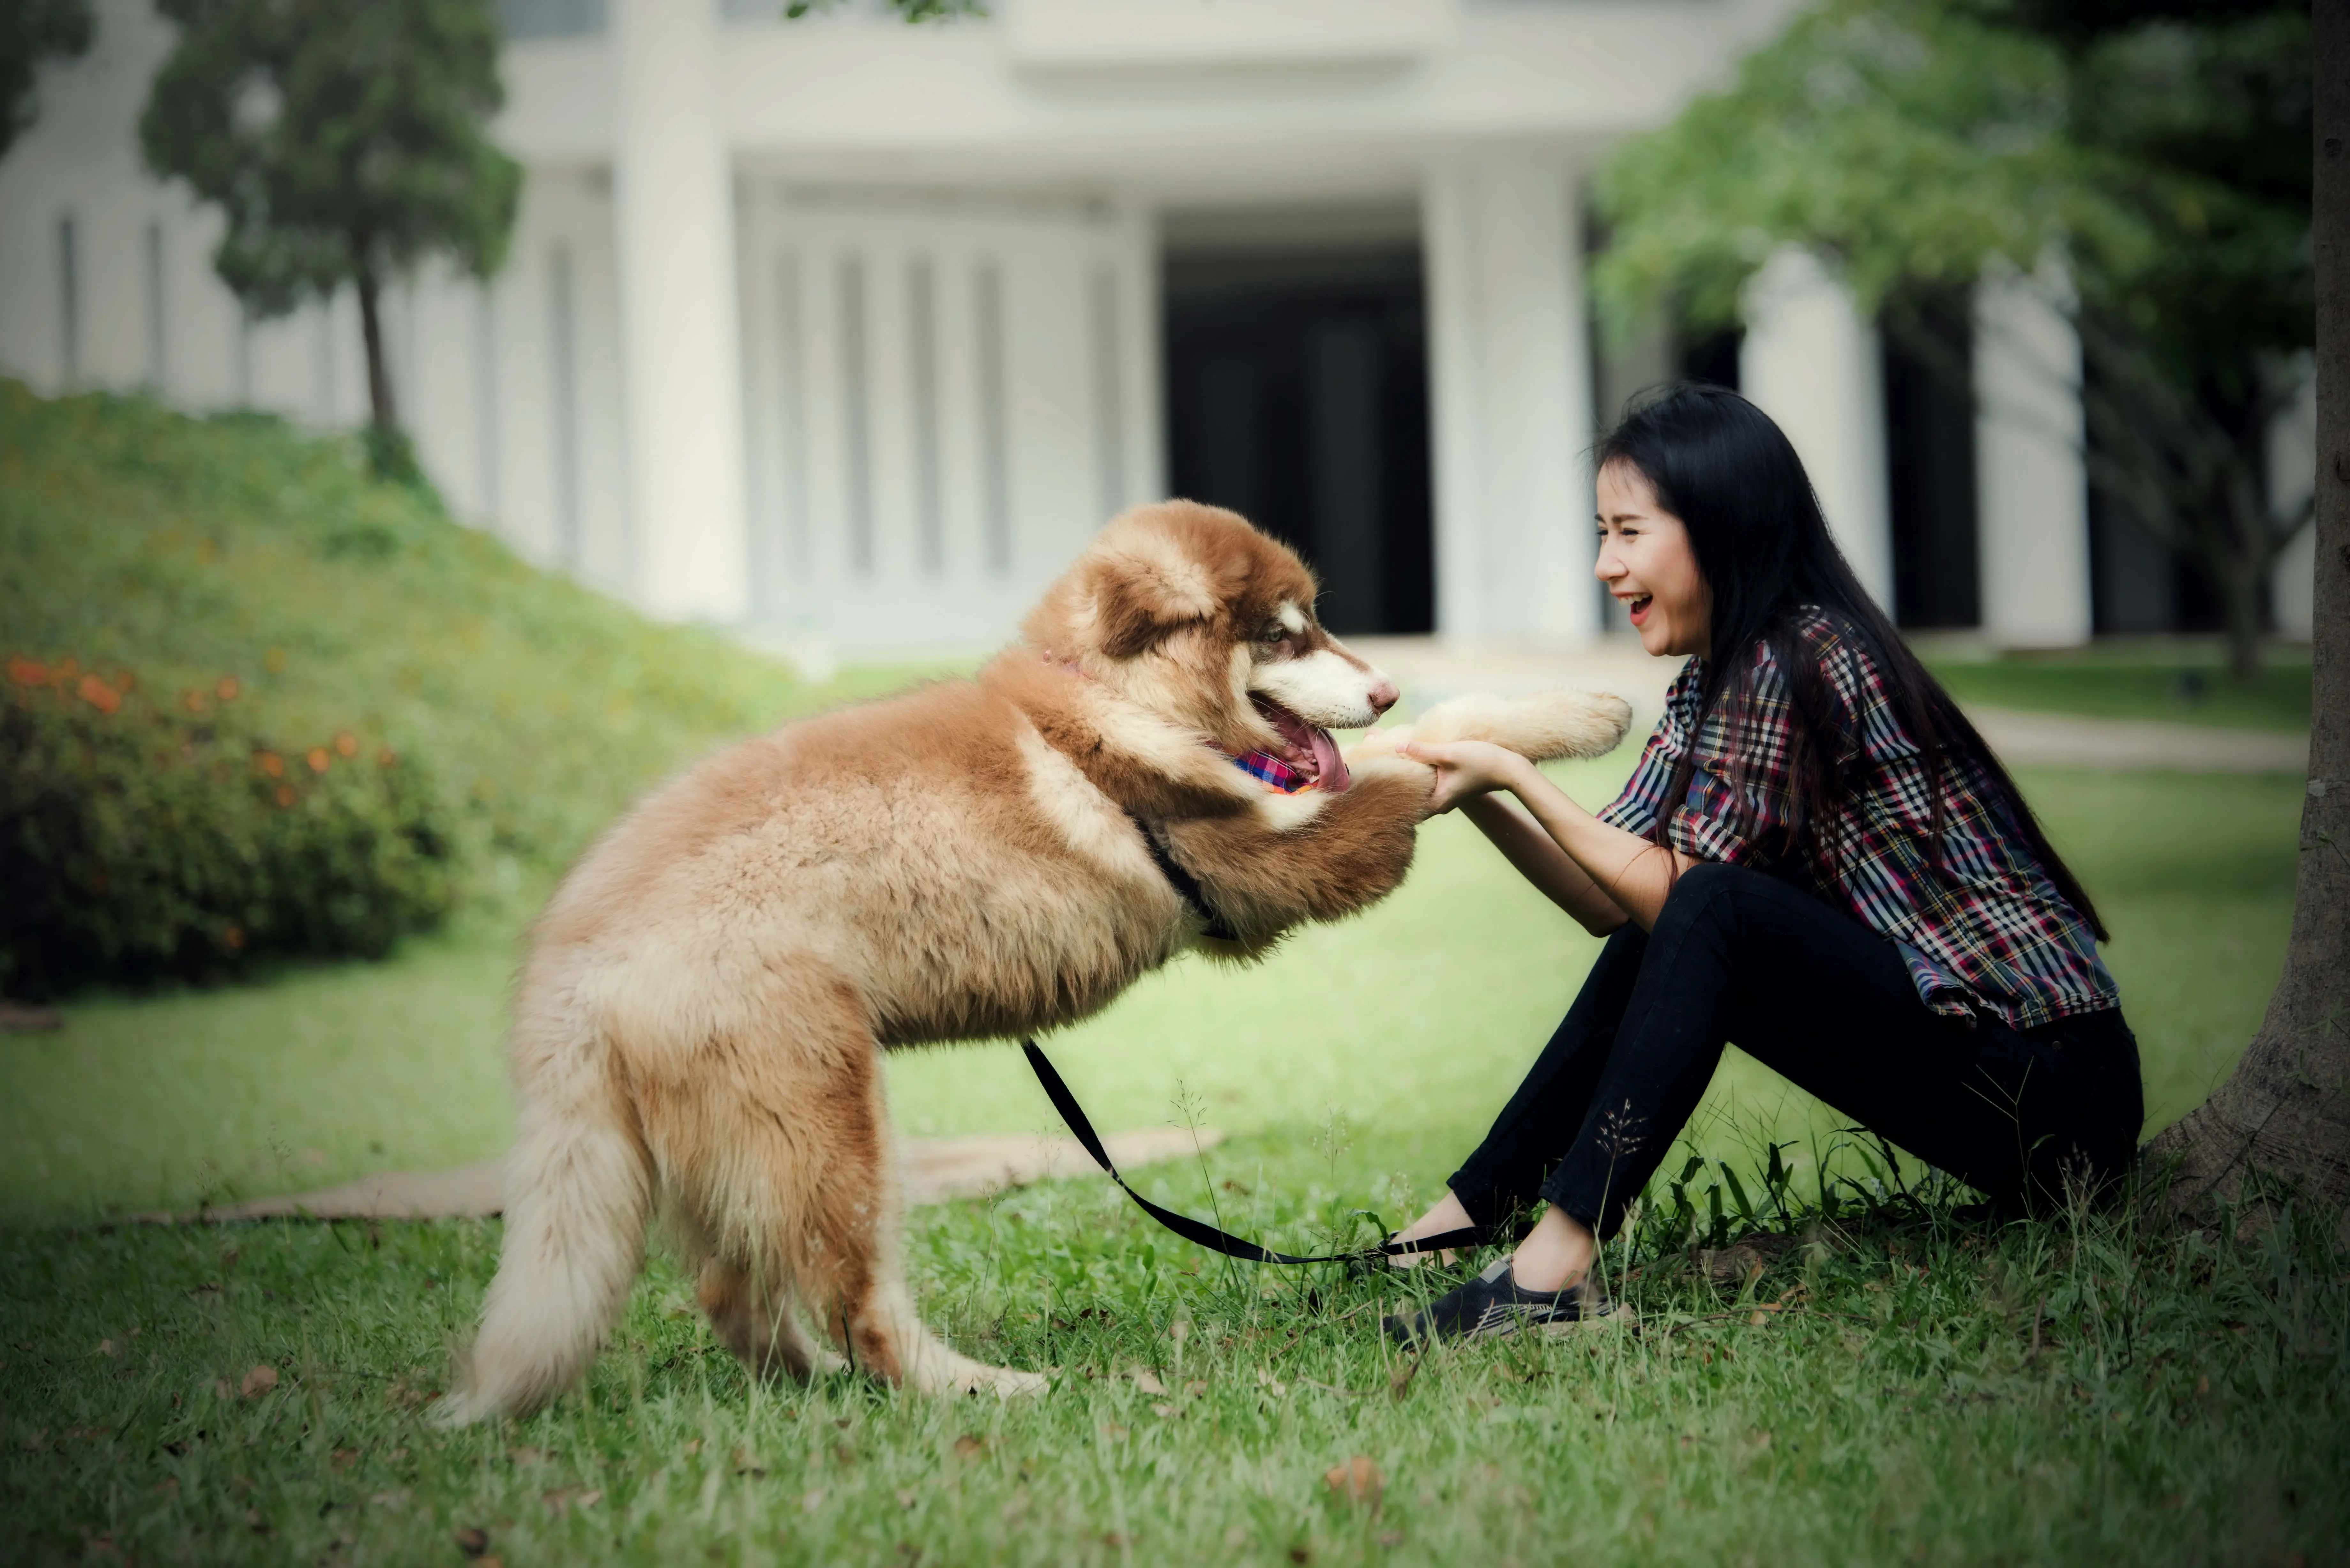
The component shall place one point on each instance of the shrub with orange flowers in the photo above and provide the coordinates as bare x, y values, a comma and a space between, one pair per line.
149, 840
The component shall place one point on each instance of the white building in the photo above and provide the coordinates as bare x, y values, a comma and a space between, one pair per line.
848, 332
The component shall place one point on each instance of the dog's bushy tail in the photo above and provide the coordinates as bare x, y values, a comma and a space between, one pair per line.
579, 1193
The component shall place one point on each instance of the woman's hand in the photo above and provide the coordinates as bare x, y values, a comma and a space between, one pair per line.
1467, 768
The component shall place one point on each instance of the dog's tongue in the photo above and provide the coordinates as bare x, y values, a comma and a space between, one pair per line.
1329, 767
1332, 766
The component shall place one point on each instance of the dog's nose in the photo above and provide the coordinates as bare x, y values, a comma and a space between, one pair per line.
1384, 695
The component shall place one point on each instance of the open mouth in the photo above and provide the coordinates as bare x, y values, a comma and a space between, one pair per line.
1639, 607
1306, 749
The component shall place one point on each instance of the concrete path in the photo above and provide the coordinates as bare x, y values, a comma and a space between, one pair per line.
935, 1169
1430, 670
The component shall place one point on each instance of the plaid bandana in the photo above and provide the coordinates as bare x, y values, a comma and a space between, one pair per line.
1276, 774
1986, 930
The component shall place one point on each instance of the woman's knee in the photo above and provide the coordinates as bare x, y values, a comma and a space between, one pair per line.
1708, 892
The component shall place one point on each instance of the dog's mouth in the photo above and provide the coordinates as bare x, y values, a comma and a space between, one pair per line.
1306, 747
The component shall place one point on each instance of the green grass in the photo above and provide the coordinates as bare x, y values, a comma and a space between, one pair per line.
2176, 681
2187, 1402
1412, 1022
2058, 1391
2049, 1392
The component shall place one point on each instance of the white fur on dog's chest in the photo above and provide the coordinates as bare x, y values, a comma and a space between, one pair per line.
1088, 820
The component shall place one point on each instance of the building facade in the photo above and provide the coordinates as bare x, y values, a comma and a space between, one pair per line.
849, 332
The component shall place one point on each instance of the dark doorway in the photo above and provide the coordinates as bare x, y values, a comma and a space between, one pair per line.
1297, 396
1930, 462
1712, 357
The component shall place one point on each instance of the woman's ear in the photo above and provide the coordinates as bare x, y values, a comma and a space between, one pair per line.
1139, 601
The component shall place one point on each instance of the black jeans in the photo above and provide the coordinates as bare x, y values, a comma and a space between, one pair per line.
1828, 1003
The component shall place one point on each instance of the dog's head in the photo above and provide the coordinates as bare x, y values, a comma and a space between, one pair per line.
1191, 613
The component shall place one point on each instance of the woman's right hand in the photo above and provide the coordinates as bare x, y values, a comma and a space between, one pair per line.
1465, 769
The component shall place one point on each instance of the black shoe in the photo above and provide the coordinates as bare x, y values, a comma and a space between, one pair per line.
1493, 1305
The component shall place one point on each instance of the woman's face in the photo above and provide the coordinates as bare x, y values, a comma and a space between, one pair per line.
1646, 562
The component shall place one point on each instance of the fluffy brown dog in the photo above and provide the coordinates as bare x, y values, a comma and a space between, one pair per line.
699, 1025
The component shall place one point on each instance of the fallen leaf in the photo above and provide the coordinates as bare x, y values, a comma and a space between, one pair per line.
108, 1347
1147, 1380
693, 1446
1359, 1480
403, 1396
258, 1381
1301, 1555
968, 1448
473, 1541
526, 1457
747, 1463
344, 1458
1112, 1433
1194, 1389
1271, 1384
1162, 1411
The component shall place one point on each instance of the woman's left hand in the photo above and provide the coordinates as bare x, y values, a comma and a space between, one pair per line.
1466, 768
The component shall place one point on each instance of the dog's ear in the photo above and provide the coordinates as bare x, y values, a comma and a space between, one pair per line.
1139, 598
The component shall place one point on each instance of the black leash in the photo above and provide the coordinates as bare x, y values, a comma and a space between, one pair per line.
1187, 887
1199, 1232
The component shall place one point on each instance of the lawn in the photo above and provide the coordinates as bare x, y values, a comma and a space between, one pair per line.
2174, 680
1892, 1389
1893, 1385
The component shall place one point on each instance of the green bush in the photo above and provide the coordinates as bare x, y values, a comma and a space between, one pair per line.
145, 837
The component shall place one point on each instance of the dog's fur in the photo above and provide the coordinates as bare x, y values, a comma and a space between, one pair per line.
699, 1024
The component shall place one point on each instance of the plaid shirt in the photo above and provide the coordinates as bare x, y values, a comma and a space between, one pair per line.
1985, 931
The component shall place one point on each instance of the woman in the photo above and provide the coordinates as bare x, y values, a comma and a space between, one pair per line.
1818, 857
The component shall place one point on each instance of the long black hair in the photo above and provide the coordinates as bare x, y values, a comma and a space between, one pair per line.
1719, 464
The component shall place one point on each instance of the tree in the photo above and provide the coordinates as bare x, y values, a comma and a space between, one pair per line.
2158, 153
2286, 1112
344, 140
32, 33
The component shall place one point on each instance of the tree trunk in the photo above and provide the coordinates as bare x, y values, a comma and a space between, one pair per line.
381, 405
2285, 1116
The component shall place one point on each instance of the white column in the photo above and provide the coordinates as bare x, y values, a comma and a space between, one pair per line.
1810, 361
2293, 475
2032, 488
1510, 362
679, 342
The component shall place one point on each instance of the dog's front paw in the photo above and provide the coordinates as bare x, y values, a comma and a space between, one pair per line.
1003, 1382
1543, 727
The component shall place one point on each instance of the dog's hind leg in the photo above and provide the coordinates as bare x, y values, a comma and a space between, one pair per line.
755, 1314
853, 1274
777, 1145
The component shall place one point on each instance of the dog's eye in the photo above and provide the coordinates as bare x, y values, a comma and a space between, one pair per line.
1273, 634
